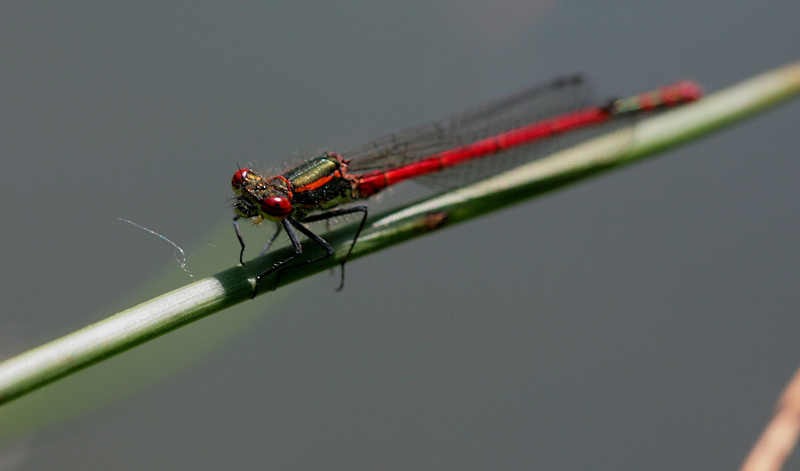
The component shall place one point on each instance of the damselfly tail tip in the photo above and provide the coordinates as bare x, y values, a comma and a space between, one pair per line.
689, 90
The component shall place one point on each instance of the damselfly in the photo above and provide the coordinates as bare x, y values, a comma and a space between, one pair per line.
452, 152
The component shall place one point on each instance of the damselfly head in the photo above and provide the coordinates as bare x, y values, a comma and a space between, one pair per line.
258, 199
245, 182
244, 178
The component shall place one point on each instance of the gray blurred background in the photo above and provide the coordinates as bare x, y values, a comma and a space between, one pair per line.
646, 319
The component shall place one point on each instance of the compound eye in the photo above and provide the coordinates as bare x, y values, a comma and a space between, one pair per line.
240, 177
276, 207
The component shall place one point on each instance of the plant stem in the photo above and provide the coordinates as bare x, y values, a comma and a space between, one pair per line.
124, 330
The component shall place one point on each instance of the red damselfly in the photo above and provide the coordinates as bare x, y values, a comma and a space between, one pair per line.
458, 150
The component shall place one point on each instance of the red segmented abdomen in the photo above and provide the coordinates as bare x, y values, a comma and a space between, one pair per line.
371, 183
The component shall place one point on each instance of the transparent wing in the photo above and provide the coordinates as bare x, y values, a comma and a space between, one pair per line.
534, 104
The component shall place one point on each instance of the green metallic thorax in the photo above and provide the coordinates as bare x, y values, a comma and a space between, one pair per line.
319, 184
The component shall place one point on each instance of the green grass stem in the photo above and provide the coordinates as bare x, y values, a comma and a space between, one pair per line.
127, 329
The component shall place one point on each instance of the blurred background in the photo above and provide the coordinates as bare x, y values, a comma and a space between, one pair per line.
645, 319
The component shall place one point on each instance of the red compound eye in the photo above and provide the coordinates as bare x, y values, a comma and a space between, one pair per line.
240, 177
276, 207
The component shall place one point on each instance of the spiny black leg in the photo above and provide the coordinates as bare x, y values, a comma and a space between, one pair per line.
241, 240
341, 212
316, 239
312, 237
270, 241
298, 250
239, 236
353, 244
